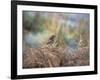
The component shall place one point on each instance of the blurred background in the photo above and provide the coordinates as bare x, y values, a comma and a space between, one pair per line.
71, 30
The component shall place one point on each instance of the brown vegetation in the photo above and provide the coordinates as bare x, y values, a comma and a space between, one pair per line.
54, 57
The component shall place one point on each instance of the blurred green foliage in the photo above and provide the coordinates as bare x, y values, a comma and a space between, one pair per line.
76, 34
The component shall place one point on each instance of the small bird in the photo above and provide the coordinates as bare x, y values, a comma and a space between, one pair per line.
51, 39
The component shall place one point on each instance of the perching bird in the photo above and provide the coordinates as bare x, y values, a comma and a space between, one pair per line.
51, 39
